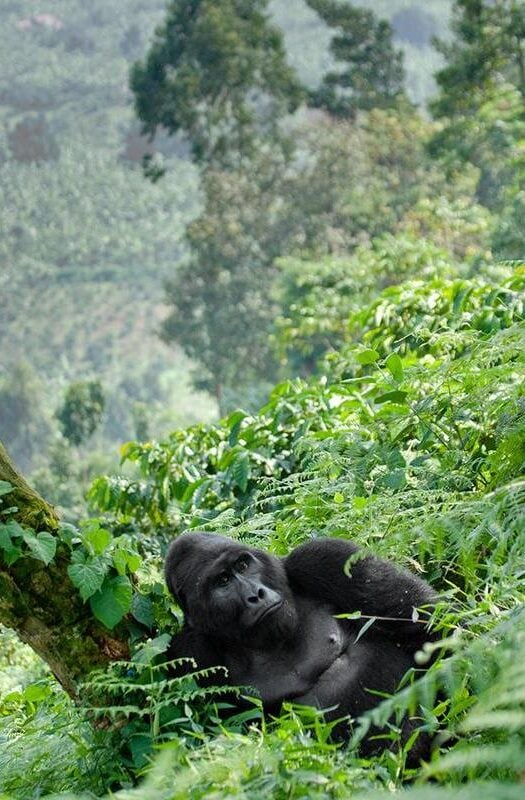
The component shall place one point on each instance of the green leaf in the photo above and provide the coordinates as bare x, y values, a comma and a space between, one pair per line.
397, 396
5, 488
125, 559
98, 538
152, 649
12, 552
395, 366
364, 629
141, 746
240, 469
87, 574
43, 545
202, 489
349, 615
14, 529
142, 610
367, 357
113, 600
234, 422
127, 451
395, 479
360, 503
68, 533
339, 498
37, 692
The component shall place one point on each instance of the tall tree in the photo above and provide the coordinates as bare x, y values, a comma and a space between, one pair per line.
348, 182
217, 72
220, 305
371, 74
82, 409
488, 50
482, 97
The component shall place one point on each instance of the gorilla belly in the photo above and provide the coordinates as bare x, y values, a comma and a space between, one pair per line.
332, 685
350, 683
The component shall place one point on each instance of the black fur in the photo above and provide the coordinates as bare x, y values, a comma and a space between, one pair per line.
271, 622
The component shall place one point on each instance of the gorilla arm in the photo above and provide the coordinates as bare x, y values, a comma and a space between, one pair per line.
336, 571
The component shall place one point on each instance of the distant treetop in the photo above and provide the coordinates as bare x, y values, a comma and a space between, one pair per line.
372, 73
217, 72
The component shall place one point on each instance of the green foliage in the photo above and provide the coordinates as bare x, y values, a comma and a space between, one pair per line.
454, 223
488, 50
219, 309
356, 180
411, 320
491, 138
82, 409
152, 709
86, 242
17, 541
218, 72
22, 423
100, 568
19, 665
482, 96
317, 298
46, 746
295, 760
100, 562
411, 404
509, 237
346, 183
372, 75
413, 445
307, 39
495, 725
411, 440
117, 224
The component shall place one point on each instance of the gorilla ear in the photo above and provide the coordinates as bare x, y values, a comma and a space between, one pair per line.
176, 566
174, 556
184, 562
171, 585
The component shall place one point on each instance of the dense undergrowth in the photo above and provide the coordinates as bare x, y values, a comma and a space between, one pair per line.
413, 445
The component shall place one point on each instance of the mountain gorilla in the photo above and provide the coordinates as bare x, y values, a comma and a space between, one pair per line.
272, 622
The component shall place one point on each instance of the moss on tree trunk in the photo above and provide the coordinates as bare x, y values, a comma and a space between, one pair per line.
41, 604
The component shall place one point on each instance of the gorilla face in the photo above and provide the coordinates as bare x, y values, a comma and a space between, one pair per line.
239, 590
229, 591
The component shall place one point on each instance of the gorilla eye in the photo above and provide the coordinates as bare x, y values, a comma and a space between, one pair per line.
242, 564
223, 579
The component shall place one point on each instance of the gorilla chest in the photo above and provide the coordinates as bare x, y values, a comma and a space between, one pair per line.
292, 672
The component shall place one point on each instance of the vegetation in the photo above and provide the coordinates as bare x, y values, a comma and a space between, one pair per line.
332, 268
82, 411
374, 73
216, 71
431, 419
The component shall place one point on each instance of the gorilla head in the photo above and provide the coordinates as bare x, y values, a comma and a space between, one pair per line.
229, 591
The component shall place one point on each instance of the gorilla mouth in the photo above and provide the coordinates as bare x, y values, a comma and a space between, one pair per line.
267, 611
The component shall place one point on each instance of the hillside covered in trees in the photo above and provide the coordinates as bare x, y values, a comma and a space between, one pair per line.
271, 254
87, 244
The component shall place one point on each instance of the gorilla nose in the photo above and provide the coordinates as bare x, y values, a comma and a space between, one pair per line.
256, 595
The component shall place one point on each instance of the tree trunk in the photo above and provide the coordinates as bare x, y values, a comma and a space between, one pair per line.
41, 604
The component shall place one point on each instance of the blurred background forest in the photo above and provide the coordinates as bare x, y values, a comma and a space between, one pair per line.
87, 244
